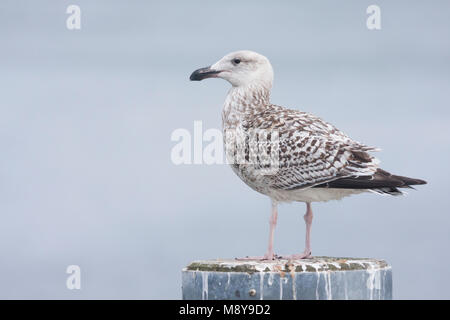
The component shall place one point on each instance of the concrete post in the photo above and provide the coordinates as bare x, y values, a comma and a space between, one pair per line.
310, 279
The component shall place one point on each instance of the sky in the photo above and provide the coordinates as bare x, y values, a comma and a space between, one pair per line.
86, 118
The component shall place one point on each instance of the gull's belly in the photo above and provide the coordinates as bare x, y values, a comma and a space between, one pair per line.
252, 177
313, 194
258, 182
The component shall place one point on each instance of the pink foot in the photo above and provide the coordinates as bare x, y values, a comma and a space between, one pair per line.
259, 258
297, 256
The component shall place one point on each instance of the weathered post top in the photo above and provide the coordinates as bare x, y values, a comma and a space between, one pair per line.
309, 279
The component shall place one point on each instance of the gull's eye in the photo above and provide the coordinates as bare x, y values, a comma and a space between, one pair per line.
236, 61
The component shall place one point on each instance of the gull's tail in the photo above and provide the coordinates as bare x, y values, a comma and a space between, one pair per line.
381, 182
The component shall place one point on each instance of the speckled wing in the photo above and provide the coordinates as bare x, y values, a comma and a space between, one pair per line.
311, 151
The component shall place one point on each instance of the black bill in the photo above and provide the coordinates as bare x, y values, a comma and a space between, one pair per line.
203, 73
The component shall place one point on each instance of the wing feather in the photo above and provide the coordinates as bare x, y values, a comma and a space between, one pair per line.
311, 151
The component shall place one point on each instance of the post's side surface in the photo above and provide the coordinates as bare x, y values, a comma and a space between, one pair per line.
319, 278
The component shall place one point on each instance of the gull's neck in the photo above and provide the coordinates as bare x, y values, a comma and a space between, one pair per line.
243, 101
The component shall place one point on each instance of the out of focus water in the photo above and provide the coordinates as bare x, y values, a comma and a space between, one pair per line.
86, 118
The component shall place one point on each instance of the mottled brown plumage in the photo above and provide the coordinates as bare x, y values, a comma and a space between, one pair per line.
314, 161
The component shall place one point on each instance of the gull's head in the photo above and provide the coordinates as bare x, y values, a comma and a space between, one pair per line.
240, 68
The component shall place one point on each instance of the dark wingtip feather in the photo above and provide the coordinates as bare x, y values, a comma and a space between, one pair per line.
418, 181
381, 182
410, 181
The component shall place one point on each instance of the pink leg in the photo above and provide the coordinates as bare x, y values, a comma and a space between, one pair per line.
272, 222
308, 221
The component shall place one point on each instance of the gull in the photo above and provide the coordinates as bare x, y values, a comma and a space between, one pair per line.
314, 160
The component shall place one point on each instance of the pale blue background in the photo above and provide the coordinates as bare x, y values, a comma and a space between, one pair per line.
86, 118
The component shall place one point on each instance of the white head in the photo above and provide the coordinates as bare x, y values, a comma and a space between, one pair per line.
240, 68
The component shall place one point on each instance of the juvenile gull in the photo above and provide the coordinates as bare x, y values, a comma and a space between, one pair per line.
316, 161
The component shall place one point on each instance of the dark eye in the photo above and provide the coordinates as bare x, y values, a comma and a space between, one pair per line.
236, 61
